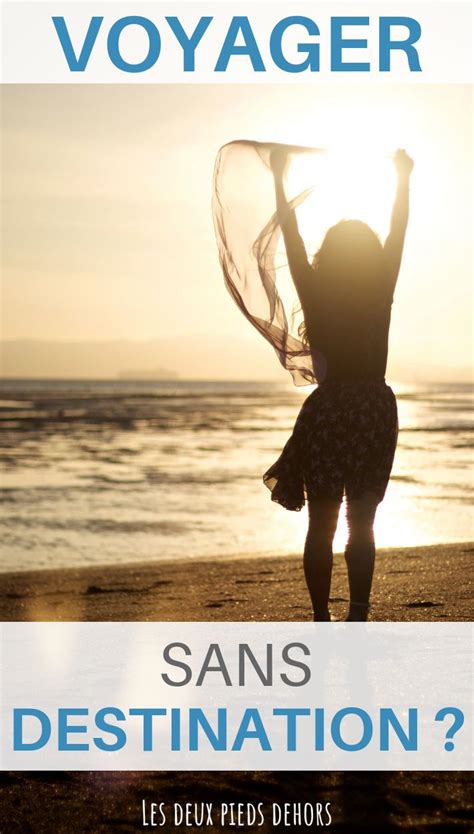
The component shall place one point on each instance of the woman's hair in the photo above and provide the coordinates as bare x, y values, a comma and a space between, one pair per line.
349, 273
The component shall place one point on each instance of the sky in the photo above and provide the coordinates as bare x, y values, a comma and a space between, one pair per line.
107, 226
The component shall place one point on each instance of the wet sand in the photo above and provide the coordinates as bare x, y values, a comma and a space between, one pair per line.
425, 583
419, 583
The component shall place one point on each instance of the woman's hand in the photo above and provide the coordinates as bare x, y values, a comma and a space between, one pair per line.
403, 163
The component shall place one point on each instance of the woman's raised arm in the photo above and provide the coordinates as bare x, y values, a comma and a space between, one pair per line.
298, 263
394, 244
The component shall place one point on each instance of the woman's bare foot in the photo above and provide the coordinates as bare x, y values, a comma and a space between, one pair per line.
325, 617
322, 616
358, 612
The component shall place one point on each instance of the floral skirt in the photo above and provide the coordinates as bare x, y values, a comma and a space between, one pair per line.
343, 441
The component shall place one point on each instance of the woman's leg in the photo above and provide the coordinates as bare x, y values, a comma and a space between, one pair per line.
360, 553
323, 515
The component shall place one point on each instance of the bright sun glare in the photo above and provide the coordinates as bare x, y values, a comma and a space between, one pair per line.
348, 184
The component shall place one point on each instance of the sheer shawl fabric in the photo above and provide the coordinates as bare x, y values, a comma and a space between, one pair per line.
251, 254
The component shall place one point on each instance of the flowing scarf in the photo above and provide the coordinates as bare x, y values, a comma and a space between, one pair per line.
249, 242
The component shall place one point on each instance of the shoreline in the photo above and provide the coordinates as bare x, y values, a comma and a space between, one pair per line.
414, 583
214, 559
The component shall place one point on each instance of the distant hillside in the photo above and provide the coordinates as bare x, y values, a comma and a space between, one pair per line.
191, 357
187, 358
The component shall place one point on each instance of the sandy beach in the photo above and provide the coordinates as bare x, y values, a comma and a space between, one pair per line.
426, 583
419, 583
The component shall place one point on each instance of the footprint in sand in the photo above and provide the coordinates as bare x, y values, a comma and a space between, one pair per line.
261, 572
219, 603
427, 604
96, 589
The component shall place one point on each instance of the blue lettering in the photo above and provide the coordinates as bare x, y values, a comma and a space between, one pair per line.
319, 729
243, 733
291, 715
189, 44
198, 719
77, 64
154, 43
147, 714
240, 25
338, 43
367, 729
64, 729
102, 724
386, 44
389, 719
175, 729
18, 743
311, 49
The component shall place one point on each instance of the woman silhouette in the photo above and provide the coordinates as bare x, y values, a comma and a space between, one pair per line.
345, 435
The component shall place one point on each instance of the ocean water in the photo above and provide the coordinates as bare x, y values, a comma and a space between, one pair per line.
115, 472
